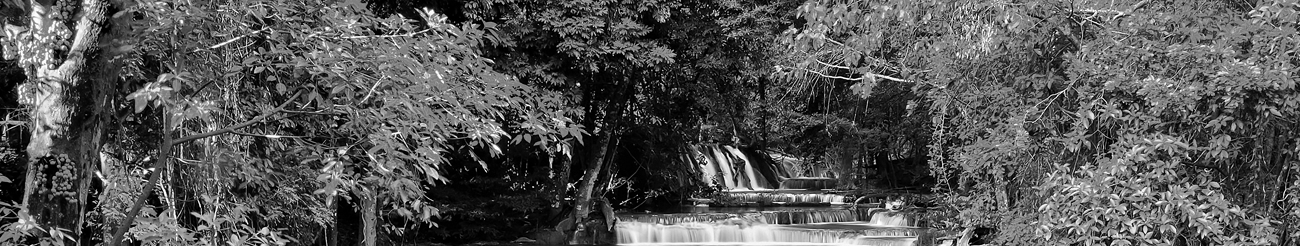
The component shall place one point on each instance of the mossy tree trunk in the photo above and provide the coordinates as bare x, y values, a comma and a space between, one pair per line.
57, 44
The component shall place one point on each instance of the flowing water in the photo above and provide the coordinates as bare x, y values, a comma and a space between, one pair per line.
779, 197
787, 226
781, 209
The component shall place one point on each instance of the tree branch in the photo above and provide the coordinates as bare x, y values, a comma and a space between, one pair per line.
89, 25
13, 122
865, 75
164, 154
271, 136
232, 128
1117, 13
227, 42
388, 36
312, 112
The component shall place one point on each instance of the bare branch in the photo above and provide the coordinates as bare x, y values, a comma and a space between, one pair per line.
321, 112
271, 136
865, 75
388, 36
831, 65
232, 128
227, 42
1117, 13
13, 122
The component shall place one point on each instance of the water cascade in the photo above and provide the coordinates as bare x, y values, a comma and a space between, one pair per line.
873, 216
807, 183
784, 198
746, 169
724, 167
763, 204
813, 227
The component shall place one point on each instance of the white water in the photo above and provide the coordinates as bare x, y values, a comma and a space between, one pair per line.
724, 165
767, 217
733, 169
749, 167
786, 197
826, 228
693, 232
709, 169
765, 183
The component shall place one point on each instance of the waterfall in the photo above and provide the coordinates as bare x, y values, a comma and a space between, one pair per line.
748, 166
889, 219
876, 217
808, 217
770, 173
760, 206
640, 233
708, 168
724, 166
809, 183
738, 169
766, 197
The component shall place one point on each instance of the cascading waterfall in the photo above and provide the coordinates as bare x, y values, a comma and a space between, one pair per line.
873, 216
778, 198
724, 167
639, 233
708, 168
758, 180
737, 169
822, 227
809, 183
748, 166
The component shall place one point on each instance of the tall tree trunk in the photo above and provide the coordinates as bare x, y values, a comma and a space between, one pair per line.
369, 218
596, 155
69, 110
595, 161
561, 179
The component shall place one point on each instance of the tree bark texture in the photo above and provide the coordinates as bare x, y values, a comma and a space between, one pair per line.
58, 48
369, 218
595, 161
596, 154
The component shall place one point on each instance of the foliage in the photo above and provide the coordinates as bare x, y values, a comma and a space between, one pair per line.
1058, 122
1088, 121
344, 116
1141, 197
21, 228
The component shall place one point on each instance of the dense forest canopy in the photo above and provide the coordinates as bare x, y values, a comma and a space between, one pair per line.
374, 122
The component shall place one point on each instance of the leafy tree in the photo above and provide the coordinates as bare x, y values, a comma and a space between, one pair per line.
274, 100
1088, 122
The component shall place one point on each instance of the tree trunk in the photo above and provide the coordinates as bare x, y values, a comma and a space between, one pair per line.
69, 110
561, 180
595, 161
607, 172
596, 155
369, 220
